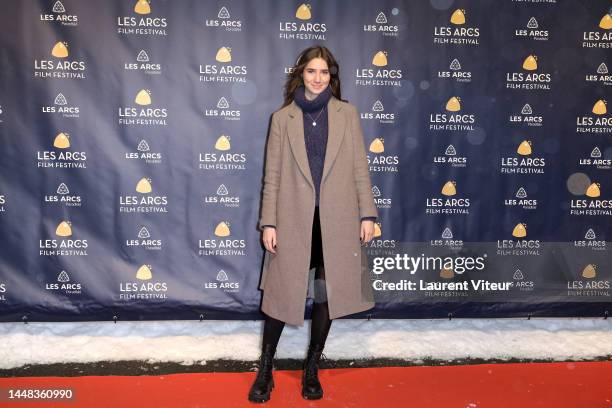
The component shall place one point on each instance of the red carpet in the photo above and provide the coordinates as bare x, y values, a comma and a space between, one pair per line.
555, 385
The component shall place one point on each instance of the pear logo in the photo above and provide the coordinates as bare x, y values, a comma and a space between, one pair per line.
377, 145
143, 146
520, 230
223, 143
64, 229
303, 12
63, 277
450, 151
60, 50
458, 17
377, 230
600, 107
378, 106
524, 148
144, 186
453, 104
222, 229
449, 188
223, 13
447, 273
222, 190
602, 68
381, 18
143, 97
532, 23
526, 110
142, 7
62, 189
60, 100
144, 233
593, 190
224, 54
518, 275
530, 63
58, 7
222, 276
596, 153
606, 22
447, 233
521, 193
142, 56
375, 191
455, 65
62, 141
590, 234
144, 272
589, 271
380, 59
222, 104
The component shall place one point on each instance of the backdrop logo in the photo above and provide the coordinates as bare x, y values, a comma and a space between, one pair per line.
378, 241
222, 110
451, 157
224, 244
380, 75
456, 72
223, 72
590, 241
531, 78
449, 203
525, 162
601, 38
586, 285
2, 291
143, 152
143, 23
222, 197
380, 162
2, 203
222, 281
143, 286
61, 107
143, 64
458, 33
62, 67
224, 21
64, 284
593, 204
62, 157
454, 119
377, 112
521, 246
59, 14
447, 240
223, 159
64, 245
382, 26
63, 196
601, 76
595, 160
145, 202
521, 283
599, 122
380, 200
303, 28
521, 200
144, 240
532, 30
145, 114
526, 116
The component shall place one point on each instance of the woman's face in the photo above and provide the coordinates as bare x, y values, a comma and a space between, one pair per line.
316, 77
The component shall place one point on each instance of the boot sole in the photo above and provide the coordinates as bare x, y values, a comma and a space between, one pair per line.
265, 397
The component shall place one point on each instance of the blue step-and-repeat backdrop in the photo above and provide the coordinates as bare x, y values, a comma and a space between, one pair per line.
133, 135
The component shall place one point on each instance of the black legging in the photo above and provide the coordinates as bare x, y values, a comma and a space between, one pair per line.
321, 322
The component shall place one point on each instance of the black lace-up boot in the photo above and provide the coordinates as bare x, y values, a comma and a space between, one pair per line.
311, 387
264, 383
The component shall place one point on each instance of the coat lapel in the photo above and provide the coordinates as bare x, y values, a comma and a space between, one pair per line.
336, 130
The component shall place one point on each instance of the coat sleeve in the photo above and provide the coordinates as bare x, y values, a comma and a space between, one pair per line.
367, 208
271, 175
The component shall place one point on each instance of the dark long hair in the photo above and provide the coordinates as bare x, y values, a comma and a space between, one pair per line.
294, 79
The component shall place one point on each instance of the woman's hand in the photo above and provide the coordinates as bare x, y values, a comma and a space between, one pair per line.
269, 239
367, 231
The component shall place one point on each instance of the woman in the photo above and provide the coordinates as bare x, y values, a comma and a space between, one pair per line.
317, 205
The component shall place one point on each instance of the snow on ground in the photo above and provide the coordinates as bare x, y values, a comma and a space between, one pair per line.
190, 342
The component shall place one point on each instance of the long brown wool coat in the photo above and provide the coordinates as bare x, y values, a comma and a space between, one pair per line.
289, 202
